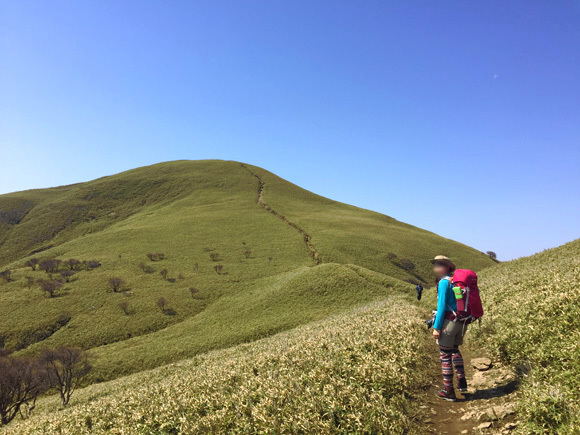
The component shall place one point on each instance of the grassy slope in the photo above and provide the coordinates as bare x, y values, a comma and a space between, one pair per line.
533, 320
185, 209
348, 374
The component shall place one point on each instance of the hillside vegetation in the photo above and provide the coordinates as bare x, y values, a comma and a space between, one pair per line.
349, 374
245, 255
533, 322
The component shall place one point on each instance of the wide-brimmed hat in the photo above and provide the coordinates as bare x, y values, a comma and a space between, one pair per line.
445, 260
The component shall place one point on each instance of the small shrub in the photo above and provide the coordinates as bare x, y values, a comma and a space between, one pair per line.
492, 255
116, 284
6, 275
164, 273
50, 287
218, 268
146, 268
392, 256
193, 291
247, 253
162, 304
32, 263
270, 259
92, 264
214, 256
124, 305
74, 264
50, 266
67, 275
157, 256
30, 282
407, 264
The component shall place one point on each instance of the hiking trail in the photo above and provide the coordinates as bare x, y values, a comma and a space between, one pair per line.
306, 237
489, 406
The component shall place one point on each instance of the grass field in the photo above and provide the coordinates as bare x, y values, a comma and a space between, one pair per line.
533, 322
351, 373
191, 212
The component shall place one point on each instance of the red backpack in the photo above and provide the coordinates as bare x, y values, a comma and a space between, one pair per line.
469, 308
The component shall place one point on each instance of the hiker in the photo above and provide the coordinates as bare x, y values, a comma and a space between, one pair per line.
449, 334
419, 289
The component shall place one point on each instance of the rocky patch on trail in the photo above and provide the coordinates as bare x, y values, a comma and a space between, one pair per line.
481, 364
489, 406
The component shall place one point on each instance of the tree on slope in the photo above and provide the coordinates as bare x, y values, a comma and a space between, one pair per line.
20, 384
64, 368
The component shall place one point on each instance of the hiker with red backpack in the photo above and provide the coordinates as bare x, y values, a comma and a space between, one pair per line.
458, 305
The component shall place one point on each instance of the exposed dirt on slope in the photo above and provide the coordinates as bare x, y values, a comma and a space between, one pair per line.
489, 407
260, 200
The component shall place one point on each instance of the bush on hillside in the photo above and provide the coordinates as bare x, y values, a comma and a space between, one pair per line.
492, 255
218, 268
156, 256
407, 264
116, 284
50, 286
32, 263
214, 256
146, 268
49, 266
30, 281
6, 275
67, 274
162, 303
91, 264
124, 305
74, 264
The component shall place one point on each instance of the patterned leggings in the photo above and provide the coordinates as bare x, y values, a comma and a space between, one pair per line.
451, 356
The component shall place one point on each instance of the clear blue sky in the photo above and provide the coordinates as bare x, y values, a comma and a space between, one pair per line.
459, 117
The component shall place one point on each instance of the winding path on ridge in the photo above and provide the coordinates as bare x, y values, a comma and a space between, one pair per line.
260, 200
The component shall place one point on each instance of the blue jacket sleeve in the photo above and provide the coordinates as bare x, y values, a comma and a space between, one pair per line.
441, 303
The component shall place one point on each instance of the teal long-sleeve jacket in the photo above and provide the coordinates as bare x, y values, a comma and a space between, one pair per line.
445, 300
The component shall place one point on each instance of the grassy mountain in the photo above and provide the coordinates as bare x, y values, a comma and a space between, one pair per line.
533, 322
263, 255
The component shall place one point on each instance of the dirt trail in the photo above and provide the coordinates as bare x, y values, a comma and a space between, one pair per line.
260, 200
489, 406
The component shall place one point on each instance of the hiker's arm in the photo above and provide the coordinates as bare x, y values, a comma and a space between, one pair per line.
441, 295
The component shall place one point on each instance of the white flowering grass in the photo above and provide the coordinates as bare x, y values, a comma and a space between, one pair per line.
353, 373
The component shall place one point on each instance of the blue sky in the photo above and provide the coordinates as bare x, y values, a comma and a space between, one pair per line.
459, 117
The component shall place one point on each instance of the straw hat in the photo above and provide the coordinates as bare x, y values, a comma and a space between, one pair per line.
444, 260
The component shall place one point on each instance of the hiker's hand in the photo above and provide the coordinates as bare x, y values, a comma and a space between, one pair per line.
436, 334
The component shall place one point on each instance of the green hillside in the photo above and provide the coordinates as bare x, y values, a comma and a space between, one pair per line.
533, 322
263, 255
347, 374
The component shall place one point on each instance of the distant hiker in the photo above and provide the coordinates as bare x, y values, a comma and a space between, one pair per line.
419, 289
449, 334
